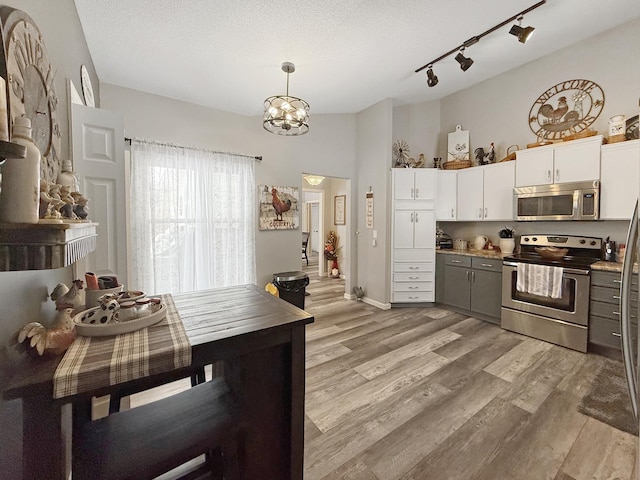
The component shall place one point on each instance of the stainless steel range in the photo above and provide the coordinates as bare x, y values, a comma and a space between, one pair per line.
548, 299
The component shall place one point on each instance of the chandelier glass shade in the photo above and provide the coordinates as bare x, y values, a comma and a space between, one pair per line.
284, 114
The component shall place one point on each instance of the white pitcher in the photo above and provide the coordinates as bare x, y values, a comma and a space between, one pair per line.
479, 242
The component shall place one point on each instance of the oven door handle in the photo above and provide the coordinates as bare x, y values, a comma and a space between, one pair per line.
574, 271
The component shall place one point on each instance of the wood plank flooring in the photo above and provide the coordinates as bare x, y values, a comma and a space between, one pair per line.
425, 393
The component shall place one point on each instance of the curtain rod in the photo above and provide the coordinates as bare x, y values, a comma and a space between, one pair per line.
259, 158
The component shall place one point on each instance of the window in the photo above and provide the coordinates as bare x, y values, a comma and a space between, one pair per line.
193, 218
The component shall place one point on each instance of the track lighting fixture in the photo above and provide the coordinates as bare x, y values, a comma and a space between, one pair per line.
523, 33
432, 80
465, 62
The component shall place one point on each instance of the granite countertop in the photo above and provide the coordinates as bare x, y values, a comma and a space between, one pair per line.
475, 253
601, 265
607, 266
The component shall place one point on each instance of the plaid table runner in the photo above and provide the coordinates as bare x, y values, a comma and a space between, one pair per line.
96, 362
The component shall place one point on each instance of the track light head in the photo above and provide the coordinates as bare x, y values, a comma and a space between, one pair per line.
523, 33
432, 80
464, 62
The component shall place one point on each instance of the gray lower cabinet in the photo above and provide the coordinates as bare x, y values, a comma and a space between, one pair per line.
604, 311
471, 283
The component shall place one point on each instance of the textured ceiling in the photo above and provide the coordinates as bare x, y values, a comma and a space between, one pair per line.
349, 54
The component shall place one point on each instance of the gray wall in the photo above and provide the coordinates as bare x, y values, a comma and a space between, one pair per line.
328, 149
24, 294
497, 109
374, 163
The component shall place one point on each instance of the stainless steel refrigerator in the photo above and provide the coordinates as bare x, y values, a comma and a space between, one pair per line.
629, 316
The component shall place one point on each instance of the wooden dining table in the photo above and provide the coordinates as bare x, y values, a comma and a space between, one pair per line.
259, 338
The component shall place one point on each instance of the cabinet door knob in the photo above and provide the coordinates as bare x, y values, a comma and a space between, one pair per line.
617, 297
615, 334
412, 194
487, 265
485, 212
417, 192
557, 174
548, 175
416, 217
473, 277
452, 213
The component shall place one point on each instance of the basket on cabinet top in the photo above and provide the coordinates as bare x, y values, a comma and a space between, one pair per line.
456, 164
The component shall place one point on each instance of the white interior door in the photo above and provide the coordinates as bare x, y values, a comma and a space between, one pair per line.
315, 228
98, 160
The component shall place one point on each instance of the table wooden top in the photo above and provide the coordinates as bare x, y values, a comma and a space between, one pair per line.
218, 322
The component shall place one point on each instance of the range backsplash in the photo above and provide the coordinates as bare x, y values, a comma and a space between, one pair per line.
615, 229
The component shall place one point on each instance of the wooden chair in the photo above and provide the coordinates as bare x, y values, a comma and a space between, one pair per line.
305, 243
152, 439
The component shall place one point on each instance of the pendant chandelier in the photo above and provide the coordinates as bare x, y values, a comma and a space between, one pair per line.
285, 115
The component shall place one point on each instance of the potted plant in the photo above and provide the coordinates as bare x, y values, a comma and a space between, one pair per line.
507, 242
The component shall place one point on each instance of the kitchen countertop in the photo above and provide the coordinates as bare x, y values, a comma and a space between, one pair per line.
475, 253
601, 265
608, 266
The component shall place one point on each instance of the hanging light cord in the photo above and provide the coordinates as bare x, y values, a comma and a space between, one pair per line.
476, 39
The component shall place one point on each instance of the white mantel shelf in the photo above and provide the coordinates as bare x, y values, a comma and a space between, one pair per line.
44, 246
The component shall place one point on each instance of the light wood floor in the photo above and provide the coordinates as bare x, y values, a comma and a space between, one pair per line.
424, 393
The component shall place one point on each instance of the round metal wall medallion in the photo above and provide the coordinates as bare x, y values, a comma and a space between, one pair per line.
566, 108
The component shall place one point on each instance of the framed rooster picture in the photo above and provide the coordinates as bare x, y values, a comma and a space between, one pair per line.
278, 208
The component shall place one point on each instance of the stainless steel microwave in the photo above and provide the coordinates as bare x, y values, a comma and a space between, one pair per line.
559, 201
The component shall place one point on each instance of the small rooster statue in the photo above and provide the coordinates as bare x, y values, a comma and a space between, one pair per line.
61, 334
278, 205
69, 297
57, 338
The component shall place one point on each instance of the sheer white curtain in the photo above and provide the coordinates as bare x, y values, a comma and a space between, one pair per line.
193, 218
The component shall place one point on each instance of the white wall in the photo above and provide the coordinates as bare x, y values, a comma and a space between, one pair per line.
328, 149
419, 126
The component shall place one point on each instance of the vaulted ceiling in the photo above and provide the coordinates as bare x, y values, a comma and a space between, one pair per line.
349, 54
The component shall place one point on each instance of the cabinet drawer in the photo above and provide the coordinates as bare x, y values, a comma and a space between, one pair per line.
604, 332
413, 287
605, 294
413, 296
458, 261
606, 310
413, 267
612, 279
606, 279
413, 277
414, 254
492, 264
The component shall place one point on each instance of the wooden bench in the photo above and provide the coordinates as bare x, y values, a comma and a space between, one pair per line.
152, 439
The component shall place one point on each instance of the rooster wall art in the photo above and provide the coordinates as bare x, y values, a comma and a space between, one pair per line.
278, 208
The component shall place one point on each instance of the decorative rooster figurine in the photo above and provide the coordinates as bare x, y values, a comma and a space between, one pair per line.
57, 338
69, 297
61, 334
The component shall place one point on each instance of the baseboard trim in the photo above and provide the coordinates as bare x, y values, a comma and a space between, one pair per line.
375, 303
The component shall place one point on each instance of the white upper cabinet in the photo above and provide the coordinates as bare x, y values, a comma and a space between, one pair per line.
470, 194
418, 184
619, 180
446, 194
575, 161
486, 193
498, 191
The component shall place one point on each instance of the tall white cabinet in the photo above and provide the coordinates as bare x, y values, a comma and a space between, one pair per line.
413, 235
